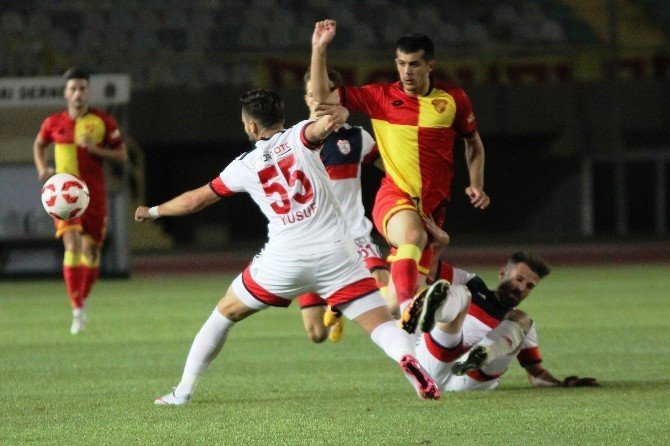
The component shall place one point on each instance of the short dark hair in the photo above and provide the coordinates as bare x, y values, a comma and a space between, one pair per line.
333, 75
76, 73
264, 106
413, 42
536, 264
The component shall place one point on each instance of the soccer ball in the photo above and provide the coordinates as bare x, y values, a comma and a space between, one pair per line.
65, 196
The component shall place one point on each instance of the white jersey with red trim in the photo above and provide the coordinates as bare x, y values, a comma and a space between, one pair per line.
342, 154
286, 178
485, 314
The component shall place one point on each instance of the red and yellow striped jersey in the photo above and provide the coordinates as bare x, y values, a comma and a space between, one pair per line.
63, 131
415, 135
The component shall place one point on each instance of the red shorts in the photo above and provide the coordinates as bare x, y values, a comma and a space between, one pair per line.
391, 200
93, 223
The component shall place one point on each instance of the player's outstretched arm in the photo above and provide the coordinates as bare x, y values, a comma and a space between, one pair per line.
540, 377
40, 159
474, 156
184, 204
330, 119
324, 32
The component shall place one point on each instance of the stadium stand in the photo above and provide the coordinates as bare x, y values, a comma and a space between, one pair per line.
136, 36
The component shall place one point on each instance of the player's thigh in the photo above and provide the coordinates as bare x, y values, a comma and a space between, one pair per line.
389, 201
368, 312
233, 308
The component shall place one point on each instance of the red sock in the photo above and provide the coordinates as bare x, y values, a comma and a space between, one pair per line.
405, 272
72, 273
90, 276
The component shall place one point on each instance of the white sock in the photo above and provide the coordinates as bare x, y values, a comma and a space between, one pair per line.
79, 312
446, 340
503, 339
395, 341
457, 300
206, 345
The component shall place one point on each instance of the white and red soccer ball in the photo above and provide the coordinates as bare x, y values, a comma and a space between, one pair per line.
65, 196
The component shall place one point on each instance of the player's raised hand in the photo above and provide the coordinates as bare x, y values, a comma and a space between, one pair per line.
338, 115
478, 197
324, 31
575, 381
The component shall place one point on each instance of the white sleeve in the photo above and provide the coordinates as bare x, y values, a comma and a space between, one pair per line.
530, 341
461, 277
367, 141
233, 176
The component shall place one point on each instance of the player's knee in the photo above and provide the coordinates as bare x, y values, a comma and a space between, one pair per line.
316, 333
416, 236
520, 318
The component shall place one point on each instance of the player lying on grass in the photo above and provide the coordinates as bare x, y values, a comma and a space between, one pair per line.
342, 154
309, 247
470, 334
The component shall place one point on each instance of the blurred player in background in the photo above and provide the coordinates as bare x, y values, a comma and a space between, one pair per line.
83, 138
471, 334
309, 247
342, 154
415, 121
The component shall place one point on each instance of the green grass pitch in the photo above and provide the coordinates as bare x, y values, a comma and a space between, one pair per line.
271, 386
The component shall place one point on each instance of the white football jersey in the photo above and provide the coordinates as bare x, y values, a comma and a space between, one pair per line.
284, 175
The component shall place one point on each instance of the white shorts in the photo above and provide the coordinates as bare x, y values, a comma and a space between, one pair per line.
440, 370
275, 278
370, 254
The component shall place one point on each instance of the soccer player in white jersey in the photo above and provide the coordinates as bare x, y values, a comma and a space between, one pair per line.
342, 153
472, 334
309, 247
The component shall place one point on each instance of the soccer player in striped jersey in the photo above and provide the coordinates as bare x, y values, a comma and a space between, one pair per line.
309, 247
468, 340
416, 121
83, 138
342, 154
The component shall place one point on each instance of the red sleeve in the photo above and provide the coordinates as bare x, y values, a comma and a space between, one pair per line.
219, 187
45, 130
465, 123
529, 356
112, 133
363, 99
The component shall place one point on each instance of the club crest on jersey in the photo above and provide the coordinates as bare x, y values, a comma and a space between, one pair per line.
343, 146
440, 105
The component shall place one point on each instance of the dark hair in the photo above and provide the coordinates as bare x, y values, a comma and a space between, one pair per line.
333, 75
413, 42
536, 264
264, 106
75, 73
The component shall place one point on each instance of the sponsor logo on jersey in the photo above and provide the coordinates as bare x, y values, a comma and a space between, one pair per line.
281, 149
343, 146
